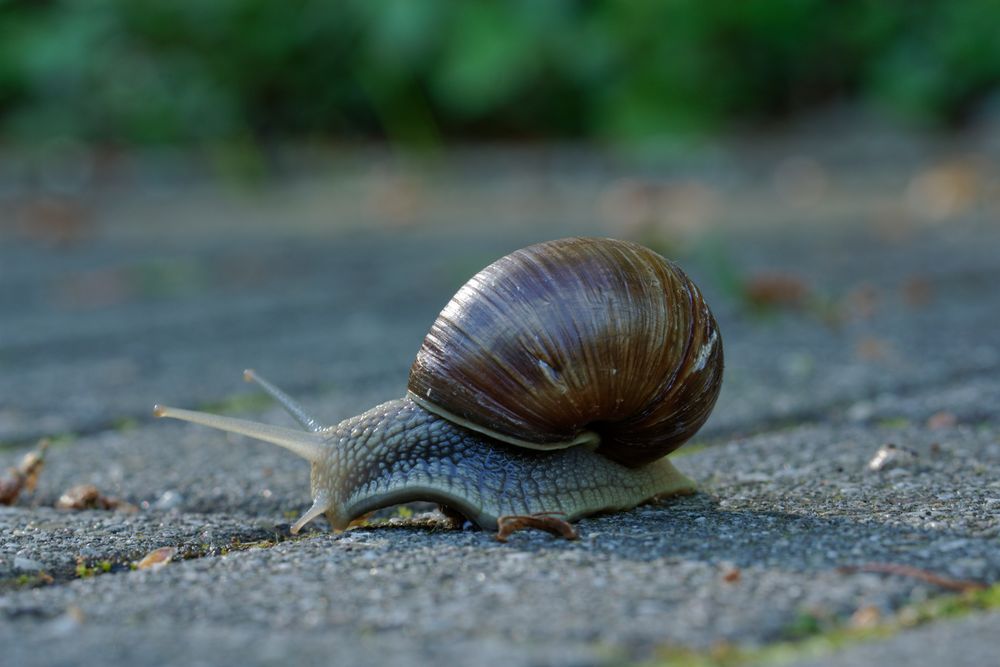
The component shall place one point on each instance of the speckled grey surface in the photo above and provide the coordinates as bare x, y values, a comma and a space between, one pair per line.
898, 346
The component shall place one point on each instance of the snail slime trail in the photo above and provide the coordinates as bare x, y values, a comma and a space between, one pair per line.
553, 384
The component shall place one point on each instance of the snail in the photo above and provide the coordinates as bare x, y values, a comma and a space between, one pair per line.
553, 384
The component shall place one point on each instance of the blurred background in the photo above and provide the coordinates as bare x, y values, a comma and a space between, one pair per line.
243, 91
189, 187
423, 74
252, 89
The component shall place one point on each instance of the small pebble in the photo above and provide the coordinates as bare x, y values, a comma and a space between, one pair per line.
168, 500
891, 456
27, 564
941, 420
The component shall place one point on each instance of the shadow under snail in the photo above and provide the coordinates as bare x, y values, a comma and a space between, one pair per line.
554, 383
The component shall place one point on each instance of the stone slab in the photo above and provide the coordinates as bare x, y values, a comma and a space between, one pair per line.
166, 295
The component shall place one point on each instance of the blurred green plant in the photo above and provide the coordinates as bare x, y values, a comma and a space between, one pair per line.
190, 71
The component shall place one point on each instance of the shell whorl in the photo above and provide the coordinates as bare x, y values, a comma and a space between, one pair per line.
572, 337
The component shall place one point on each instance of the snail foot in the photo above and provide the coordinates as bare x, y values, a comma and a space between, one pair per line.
511, 523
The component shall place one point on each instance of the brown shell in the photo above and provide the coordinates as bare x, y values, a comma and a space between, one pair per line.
576, 335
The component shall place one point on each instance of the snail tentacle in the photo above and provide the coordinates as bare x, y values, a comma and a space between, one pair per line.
321, 504
309, 446
293, 407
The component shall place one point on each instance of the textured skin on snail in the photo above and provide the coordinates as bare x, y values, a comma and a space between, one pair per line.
555, 381
398, 452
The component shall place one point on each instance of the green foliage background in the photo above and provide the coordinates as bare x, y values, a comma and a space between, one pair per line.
422, 71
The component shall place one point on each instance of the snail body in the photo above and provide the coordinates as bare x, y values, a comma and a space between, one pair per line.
555, 381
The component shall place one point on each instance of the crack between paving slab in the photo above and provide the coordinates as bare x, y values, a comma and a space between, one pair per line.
98, 567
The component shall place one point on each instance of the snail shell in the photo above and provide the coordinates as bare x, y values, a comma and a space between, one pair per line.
575, 341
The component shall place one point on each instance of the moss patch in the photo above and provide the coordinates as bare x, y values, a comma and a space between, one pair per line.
32, 580
813, 637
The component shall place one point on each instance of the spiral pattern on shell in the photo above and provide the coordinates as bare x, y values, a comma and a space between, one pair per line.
575, 336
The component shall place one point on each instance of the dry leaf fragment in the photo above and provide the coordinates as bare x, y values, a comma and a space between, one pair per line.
863, 300
945, 190
775, 290
940, 420
917, 291
10, 489
25, 476
156, 559
89, 497
56, 219
732, 576
80, 497
672, 210
865, 617
871, 348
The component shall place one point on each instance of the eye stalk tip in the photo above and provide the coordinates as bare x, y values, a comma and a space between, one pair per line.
249, 375
159, 410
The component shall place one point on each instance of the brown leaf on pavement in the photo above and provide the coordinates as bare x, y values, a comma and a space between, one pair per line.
156, 559
775, 290
89, 497
25, 476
